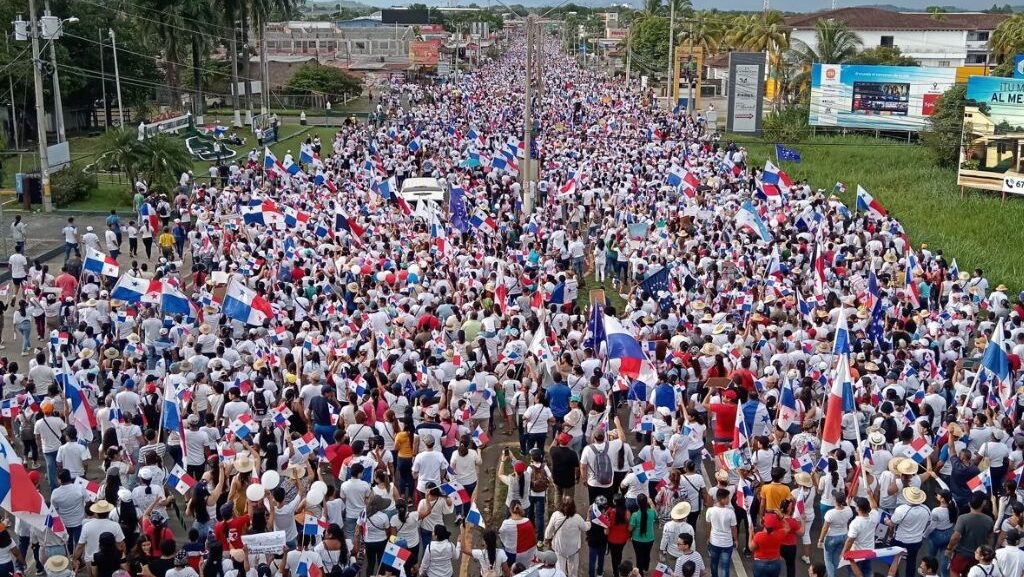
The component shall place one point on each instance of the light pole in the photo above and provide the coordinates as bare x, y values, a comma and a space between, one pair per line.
44, 159
52, 30
117, 79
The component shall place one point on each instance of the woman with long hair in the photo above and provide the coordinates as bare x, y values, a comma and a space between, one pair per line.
333, 550
440, 554
833, 531
943, 518
641, 528
466, 463
404, 527
618, 529
492, 559
403, 457
766, 545
202, 505
565, 533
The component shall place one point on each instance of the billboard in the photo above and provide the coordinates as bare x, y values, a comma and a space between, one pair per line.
876, 97
424, 52
993, 134
746, 92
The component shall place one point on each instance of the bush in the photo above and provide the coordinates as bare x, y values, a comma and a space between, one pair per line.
787, 126
945, 127
71, 184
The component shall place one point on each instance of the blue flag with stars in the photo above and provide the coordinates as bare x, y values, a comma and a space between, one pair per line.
787, 154
457, 206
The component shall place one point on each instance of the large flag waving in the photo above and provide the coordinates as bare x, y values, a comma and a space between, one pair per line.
840, 401
243, 304
867, 203
18, 495
80, 412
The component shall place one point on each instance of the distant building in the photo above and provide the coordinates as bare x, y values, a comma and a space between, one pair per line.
328, 41
944, 40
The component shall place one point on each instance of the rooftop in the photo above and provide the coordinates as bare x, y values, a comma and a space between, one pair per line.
878, 19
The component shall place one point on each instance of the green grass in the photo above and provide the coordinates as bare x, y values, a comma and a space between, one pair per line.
611, 295
976, 230
108, 196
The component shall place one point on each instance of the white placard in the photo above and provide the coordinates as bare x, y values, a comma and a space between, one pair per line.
263, 543
1013, 184
745, 89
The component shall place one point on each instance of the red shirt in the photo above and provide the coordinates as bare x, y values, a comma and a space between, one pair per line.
746, 378
725, 420
794, 528
230, 532
67, 285
768, 545
618, 533
149, 530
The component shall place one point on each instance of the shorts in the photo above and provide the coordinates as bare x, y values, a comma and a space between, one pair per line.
961, 563
17, 281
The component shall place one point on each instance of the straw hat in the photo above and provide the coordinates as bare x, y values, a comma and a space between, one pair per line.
876, 438
680, 511
698, 305
722, 475
964, 276
204, 329
719, 329
57, 564
707, 318
295, 472
907, 467
823, 347
803, 479
870, 366
955, 430
709, 349
101, 506
244, 464
913, 495
133, 338
894, 463
1001, 288
111, 353
85, 353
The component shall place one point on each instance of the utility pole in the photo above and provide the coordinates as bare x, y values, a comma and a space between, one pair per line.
629, 52
58, 107
690, 107
528, 118
671, 48
37, 73
14, 115
538, 56
458, 36
103, 84
117, 79
264, 73
235, 102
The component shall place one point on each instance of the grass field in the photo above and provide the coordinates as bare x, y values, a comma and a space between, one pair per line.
980, 231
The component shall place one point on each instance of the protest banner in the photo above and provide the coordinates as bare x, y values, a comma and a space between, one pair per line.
262, 543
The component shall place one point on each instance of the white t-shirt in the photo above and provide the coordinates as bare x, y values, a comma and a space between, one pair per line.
72, 456
536, 419
465, 467
722, 520
355, 493
862, 531
19, 266
91, 531
589, 457
428, 466
49, 429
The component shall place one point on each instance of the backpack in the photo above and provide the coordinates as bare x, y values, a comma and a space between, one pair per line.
539, 481
259, 403
603, 466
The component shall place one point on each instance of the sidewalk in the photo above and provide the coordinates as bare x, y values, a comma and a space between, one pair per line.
45, 237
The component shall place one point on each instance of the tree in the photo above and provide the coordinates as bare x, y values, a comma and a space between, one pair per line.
834, 43
763, 33
706, 32
945, 127
650, 44
651, 8
1008, 37
158, 160
316, 79
937, 13
883, 56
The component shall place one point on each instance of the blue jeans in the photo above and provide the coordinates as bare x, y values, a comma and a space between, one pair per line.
721, 560
74, 533
536, 513
403, 467
595, 566
325, 432
833, 553
25, 330
911, 557
70, 247
937, 542
51, 472
767, 568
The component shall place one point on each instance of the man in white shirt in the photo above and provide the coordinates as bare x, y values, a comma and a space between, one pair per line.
861, 535
19, 270
110, 239
70, 238
284, 513
428, 465
89, 542
72, 455
1010, 559
48, 438
722, 538
68, 501
355, 492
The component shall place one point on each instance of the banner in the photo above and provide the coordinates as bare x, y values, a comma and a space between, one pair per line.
262, 543
424, 53
992, 134
876, 97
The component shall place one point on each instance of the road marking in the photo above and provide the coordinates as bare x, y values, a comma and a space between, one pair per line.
737, 559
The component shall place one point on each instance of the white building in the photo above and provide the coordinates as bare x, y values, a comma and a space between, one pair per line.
948, 40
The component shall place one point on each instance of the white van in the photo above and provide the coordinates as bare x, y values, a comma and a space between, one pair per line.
414, 189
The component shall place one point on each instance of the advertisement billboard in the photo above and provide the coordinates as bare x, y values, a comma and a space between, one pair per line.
424, 53
746, 92
876, 97
993, 134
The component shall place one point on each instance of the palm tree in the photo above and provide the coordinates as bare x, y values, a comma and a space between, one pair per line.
192, 12
161, 159
121, 152
1008, 38
705, 33
651, 8
834, 43
763, 33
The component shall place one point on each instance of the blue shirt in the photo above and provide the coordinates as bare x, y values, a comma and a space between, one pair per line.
319, 408
558, 399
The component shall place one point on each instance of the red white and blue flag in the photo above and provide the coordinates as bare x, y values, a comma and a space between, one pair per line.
243, 304
98, 263
867, 203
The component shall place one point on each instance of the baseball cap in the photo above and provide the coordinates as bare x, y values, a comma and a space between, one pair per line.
564, 439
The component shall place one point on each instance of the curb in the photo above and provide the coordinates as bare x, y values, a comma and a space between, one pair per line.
5, 274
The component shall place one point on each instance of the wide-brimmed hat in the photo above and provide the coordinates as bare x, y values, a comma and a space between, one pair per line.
101, 506
57, 564
111, 353
680, 511
719, 329
244, 464
204, 329
803, 479
295, 472
709, 349
85, 353
894, 463
907, 467
876, 438
914, 496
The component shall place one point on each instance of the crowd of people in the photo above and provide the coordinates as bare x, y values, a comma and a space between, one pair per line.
758, 368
